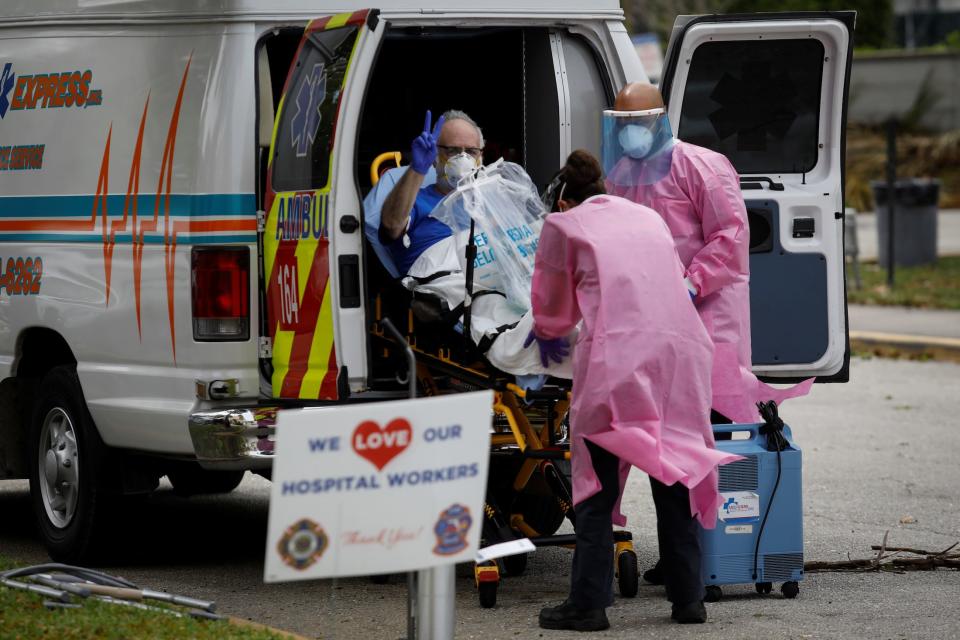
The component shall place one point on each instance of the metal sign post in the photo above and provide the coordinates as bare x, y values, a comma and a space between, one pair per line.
431, 594
891, 196
436, 597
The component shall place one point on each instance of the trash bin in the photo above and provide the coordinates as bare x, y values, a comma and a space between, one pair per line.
915, 221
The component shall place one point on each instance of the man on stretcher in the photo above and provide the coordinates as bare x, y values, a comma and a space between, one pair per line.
420, 228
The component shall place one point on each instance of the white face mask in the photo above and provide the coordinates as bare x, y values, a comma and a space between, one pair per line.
636, 141
457, 168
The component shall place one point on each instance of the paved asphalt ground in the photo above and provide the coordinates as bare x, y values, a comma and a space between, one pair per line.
876, 450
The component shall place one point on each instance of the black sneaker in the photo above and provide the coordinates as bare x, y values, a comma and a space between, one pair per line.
654, 575
567, 616
690, 613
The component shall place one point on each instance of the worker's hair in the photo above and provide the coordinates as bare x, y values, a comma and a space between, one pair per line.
456, 114
582, 177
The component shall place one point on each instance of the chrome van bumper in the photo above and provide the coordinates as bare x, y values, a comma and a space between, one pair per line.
236, 438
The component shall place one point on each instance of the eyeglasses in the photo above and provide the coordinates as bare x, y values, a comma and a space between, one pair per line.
476, 152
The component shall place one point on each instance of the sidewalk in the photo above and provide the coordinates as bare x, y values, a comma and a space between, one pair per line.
930, 332
924, 332
948, 234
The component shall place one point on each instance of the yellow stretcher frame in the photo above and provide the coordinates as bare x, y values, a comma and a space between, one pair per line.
526, 437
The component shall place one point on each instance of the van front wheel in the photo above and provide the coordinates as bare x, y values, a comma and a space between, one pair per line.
67, 468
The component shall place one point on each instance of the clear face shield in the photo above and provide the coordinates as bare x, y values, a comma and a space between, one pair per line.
636, 146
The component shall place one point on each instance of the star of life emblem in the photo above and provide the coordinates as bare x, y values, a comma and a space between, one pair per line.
306, 119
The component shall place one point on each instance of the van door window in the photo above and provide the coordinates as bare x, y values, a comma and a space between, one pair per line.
756, 102
305, 135
276, 51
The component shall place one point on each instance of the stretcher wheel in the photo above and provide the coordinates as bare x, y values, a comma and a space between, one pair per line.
763, 588
515, 565
488, 594
713, 593
790, 589
628, 580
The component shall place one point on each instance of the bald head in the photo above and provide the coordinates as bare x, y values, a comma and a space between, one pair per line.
638, 96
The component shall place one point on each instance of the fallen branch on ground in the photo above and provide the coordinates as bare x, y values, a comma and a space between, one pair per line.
890, 559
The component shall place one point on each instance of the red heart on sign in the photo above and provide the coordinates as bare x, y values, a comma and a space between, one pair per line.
379, 444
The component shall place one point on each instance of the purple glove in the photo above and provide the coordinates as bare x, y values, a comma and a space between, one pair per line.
424, 147
555, 349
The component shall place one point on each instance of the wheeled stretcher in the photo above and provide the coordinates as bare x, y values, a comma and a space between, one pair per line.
529, 492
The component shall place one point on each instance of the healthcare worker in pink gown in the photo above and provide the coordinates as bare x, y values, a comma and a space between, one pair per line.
641, 386
697, 193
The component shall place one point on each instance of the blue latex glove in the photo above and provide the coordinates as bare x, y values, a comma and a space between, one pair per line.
424, 147
692, 290
555, 349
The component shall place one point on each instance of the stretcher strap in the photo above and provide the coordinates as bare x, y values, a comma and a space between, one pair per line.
487, 341
431, 277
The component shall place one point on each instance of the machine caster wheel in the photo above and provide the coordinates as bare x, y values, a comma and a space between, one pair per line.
764, 588
488, 594
515, 565
713, 594
790, 589
628, 581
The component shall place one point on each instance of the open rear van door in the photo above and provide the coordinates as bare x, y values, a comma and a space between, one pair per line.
769, 91
311, 238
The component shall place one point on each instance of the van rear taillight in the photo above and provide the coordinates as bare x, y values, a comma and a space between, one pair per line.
221, 293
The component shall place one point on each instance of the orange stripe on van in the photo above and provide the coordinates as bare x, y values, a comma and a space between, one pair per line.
166, 171
133, 190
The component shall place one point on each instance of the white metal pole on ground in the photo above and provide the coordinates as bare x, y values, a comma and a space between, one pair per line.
436, 595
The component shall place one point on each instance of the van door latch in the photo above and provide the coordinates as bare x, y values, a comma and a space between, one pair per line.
349, 224
804, 227
266, 347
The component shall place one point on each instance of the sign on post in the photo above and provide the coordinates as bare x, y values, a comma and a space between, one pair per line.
375, 488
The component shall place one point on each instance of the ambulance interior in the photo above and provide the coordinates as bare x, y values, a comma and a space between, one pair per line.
508, 79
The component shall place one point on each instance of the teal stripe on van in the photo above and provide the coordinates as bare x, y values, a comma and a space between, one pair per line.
81, 206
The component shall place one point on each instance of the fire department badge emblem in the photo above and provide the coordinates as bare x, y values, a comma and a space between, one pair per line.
451, 530
302, 544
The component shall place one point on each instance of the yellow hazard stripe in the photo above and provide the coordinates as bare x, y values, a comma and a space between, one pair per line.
338, 20
276, 125
282, 346
270, 242
319, 348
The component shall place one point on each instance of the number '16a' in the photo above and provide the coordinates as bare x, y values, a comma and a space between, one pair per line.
289, 307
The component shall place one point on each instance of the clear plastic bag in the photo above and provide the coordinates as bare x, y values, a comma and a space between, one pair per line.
508, 213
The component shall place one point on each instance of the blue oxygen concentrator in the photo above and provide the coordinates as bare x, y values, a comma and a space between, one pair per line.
758, 538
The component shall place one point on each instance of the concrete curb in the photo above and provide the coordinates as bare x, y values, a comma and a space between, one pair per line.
932, 347
249, 624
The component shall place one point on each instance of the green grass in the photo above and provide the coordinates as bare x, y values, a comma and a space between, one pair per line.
23, 616
934, 286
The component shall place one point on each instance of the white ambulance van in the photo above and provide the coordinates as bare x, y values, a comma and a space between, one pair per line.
181, 229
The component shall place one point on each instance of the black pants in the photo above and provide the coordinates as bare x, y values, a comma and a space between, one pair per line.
677, 532
591, 580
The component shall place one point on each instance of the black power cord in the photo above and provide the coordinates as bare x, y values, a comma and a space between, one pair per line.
776, 441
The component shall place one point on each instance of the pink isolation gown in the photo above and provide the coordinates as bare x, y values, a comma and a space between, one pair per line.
641, 363
701, 202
